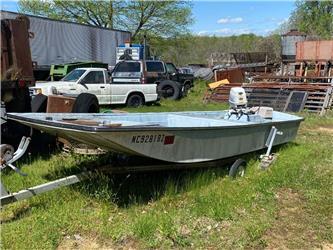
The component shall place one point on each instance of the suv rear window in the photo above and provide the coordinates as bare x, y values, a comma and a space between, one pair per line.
155, 67
127, 69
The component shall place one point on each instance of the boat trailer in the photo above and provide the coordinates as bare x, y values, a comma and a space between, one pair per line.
8, 157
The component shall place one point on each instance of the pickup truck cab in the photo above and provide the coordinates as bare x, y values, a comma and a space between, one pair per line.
96, 81
170, 83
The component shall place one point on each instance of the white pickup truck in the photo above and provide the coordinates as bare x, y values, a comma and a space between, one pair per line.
96, 81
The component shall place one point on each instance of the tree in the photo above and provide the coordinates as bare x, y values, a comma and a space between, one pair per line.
313, 18
156, 18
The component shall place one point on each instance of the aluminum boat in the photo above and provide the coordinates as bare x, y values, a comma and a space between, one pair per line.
183, 137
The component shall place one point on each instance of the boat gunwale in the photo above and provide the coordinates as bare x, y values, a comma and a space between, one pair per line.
85, 128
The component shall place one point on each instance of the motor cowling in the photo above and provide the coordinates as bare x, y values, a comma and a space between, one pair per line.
237, 98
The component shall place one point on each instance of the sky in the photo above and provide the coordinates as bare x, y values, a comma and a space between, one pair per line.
225, 18
222, 18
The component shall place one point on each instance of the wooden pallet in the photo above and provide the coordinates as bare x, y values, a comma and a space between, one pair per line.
277, 95
319, 101
275, 98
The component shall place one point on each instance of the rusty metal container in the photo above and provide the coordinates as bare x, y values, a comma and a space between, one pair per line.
59, 104
15, 49
314, 50
288, 44
233, 75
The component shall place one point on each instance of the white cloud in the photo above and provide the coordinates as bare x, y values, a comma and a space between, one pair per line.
285, 20
230, 32
223, 31
203, 32
268, 30
230, 20
223, 20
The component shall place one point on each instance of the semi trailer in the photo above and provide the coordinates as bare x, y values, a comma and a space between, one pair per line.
61, 42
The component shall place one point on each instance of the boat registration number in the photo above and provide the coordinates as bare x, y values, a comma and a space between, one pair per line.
165, 139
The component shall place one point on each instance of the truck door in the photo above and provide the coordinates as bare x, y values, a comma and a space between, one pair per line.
172, 72
155, 71
94, 83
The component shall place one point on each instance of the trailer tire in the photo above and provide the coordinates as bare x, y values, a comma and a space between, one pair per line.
169, 90
39, 104
135, 100
237, 169
86, 103
187, 87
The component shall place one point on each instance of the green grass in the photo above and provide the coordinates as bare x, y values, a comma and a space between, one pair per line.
289, 206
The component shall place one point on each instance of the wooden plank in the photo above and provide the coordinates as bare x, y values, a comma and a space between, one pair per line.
312, 106
316, 97
314, 102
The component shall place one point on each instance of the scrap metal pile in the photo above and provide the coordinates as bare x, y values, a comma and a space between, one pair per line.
306, 83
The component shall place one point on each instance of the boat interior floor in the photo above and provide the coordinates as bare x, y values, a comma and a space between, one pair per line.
176, 119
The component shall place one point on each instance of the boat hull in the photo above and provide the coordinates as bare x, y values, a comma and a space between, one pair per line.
178, 144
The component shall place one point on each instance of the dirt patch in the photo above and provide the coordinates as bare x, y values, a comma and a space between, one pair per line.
292, 226
326, 129
88, 242
327, 246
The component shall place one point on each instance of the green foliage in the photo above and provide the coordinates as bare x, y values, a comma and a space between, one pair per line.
154, 18
187, 49
314, 18
99, 13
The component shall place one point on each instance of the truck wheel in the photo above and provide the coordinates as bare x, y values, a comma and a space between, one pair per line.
135, 100
86, 103
39, 103
169, 89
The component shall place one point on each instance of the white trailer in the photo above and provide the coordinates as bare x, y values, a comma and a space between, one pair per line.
59, 42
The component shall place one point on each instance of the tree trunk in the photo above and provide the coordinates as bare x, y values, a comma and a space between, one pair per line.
111, 15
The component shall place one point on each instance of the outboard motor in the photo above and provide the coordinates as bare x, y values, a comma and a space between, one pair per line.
237, 98
238, 106
238, 103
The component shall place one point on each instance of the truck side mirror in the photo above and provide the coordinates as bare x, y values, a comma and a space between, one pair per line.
83, 81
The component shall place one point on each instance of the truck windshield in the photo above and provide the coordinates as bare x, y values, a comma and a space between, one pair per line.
171, 68
74, 75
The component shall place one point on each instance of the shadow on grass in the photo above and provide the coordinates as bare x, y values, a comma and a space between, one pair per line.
133, 188
18, 212
128, 189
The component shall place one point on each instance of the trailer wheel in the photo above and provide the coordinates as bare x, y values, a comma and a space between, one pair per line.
86, 103
237, 169
39, 103
187, 87
169, 89
135, 100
